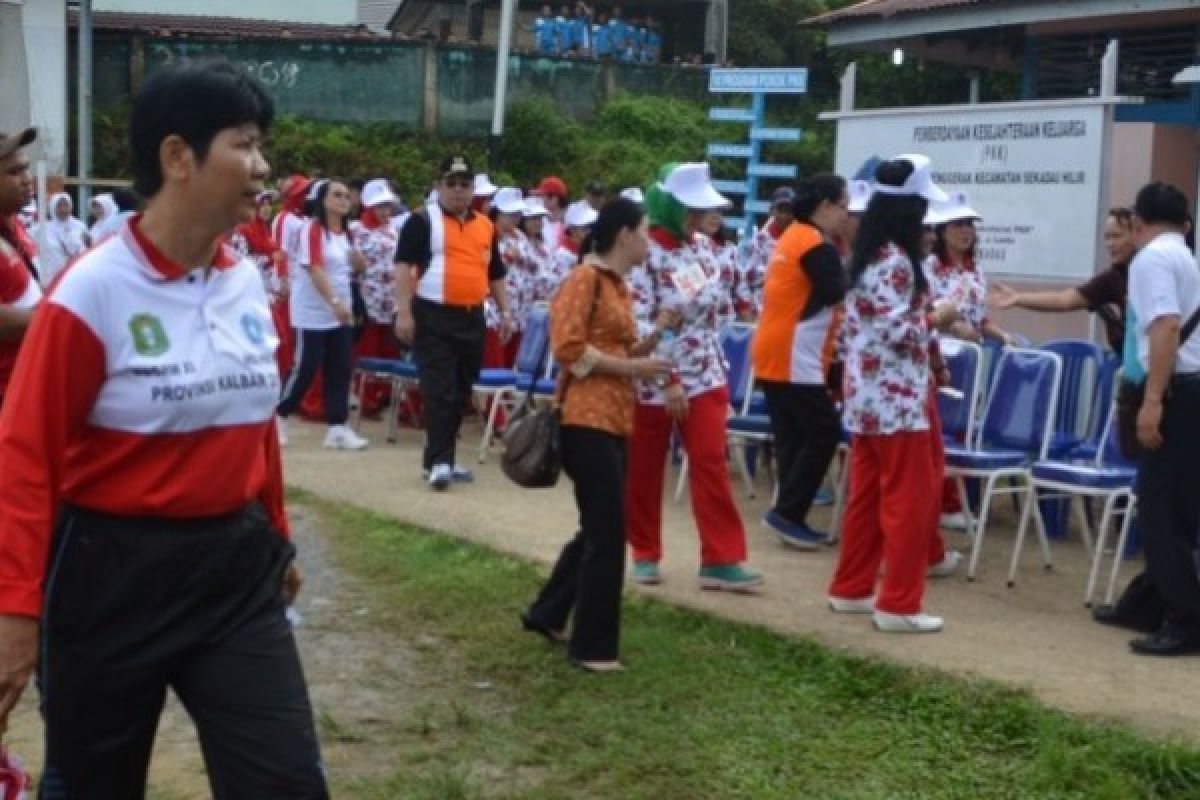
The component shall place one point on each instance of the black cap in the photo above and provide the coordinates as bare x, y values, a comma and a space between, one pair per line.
596, 187
457, 165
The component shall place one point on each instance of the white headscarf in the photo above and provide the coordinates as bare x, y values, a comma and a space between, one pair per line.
108, 210
59, 240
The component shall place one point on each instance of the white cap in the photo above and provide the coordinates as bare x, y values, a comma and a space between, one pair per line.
432, 197
378, 192
860, 196
579, 215
690, 185
483, 186
955, 208
535, 207
635, 194
509, 201
919, 183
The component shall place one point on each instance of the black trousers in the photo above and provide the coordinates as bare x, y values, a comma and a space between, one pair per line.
136, 605
332, 352
448, 347
806, 429
587, 577
1169, 507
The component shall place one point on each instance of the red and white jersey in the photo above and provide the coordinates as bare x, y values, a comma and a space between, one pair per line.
18, 290
143, 389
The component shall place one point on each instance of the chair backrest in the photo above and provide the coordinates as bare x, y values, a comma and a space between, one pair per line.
735, 346
533, 353
1082, 362
1102, 400
1020, 408
992, 350
965, 363
1109, 452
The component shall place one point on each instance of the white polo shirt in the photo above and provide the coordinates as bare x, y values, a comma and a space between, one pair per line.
1163, 281
320, 249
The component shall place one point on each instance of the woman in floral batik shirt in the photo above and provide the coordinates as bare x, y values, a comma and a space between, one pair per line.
375, 237
895, 476
508, 206
682, 277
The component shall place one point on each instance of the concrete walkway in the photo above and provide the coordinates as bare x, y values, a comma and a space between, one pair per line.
1037, 635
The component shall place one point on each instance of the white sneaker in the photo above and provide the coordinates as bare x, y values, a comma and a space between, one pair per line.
955, 522
946, 567
281, 430
440, 477
852, 605
340, 437
907, 623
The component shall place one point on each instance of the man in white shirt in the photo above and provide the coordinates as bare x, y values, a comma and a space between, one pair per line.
1164, 293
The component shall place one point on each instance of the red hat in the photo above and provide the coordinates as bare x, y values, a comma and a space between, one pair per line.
552, 185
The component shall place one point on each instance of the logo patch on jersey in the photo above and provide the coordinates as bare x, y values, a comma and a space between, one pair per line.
149, 337
253, 327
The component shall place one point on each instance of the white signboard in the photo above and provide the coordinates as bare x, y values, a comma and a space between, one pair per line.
1034, 172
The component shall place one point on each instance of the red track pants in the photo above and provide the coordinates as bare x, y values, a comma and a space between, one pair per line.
722, 535
890, 518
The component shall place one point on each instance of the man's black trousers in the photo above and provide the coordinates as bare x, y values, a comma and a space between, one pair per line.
448, 347
136, 605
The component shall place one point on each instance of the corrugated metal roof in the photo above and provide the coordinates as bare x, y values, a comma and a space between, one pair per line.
869, 9
158, 24
377, 13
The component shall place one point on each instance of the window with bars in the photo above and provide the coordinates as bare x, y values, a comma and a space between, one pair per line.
1069, 65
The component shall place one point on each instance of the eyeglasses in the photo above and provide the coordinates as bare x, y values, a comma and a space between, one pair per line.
458, 183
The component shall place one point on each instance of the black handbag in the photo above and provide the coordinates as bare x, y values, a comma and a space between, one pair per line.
532, 443
1131, 395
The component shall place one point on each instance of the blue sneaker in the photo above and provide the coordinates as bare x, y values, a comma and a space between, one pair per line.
823, 497
794, 534
457, 474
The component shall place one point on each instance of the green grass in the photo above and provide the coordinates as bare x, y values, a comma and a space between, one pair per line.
708, 709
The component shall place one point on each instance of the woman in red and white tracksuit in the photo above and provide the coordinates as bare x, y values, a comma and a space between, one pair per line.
895, 470
253, 240
682, 279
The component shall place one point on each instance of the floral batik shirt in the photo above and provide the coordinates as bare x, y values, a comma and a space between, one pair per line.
963, 286
519, 280
555, 272
887, 337
752, 275
378, 246
684, 276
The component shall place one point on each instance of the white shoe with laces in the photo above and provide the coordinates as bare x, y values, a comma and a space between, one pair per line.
907, 623
440, 477
957, 521
341, 437
947, 566
852, 605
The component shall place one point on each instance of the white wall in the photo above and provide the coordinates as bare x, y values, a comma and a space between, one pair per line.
328, 12
14, 89
46, 54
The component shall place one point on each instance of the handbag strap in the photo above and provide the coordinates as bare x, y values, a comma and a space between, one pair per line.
587, 329
1189, 327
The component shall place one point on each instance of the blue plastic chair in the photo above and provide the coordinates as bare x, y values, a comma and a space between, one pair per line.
401, 373
1082, 363
1102, 400
964, 360
1109, 477
503, 385
1015, 432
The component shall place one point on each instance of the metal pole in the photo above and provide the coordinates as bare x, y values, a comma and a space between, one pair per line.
504, 45
84, 116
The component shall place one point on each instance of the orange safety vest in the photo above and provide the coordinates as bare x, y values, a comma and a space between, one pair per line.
786, 348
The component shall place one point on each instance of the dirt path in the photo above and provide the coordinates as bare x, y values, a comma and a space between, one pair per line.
354, 672
1037, 635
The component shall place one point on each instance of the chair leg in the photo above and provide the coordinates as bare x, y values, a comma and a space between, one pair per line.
1085, 527
980, 524
841, 494
1026, 510
359, 381
1098, 551
961, 482
1130, 512
1044, 540
498, 400
681, 484
740, 451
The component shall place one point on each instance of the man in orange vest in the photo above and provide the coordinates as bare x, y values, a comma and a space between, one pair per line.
447, 262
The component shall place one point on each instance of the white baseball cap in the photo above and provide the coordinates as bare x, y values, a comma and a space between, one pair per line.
860, 196
635, 194
579, 215
483, 186
919, 182
509, 201
955, 208
377, 192
535, 207
691, 186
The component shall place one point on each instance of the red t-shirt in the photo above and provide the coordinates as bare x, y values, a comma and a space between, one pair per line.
18, 289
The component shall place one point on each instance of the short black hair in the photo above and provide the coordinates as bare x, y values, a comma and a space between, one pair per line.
810, 193
1161, 203
194, 101
126, 199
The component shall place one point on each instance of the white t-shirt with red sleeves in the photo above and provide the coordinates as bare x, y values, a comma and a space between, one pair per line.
320, 249
18, 290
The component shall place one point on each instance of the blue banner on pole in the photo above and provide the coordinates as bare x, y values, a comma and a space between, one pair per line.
731, 187
771, 170
776, 134
722, 150
786, 80
731, 115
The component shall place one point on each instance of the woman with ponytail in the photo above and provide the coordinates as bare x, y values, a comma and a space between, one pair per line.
681, 278
595, 338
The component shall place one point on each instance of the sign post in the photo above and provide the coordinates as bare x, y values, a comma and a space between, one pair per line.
758, 83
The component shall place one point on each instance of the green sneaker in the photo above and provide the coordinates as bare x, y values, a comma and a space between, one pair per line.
646, 573
730, 578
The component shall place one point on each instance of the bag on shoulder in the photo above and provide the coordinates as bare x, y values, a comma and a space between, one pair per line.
532, 452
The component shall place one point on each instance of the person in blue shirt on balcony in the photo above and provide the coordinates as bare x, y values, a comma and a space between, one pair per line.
545, 32
562, 31
581, 30
601, 38
618, 34
652, 42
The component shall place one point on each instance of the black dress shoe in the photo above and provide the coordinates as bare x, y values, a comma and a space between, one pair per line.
1167, 642
1108, 615
534, 626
